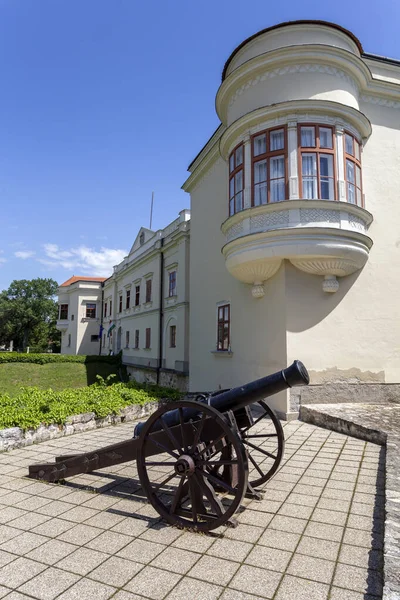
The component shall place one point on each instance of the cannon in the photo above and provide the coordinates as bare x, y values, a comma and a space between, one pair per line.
196, 459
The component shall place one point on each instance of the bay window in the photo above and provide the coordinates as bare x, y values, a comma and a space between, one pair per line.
317, 160
269, 151
352, 169
236, 180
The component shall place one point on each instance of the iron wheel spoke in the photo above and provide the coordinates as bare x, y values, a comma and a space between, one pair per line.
217, 481
192, 494
213, 443
217, 462
199, 430
157, 487
177, 496
260, 435
255, 422
216, 505
170, 435
156, 463
255, 464
164, 448
185, 446
260, 450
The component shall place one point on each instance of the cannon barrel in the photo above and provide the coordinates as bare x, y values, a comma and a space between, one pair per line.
243, 395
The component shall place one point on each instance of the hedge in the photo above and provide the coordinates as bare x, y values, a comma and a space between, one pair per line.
44, 359
33, 406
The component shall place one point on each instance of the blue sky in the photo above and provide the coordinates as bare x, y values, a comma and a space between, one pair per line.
104, 101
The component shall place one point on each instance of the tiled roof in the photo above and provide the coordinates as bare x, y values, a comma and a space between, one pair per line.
76, 278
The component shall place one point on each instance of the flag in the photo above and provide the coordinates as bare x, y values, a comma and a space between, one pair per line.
112, 326
101, 331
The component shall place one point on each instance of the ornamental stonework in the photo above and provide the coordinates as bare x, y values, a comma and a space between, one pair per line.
274, 220
318, 215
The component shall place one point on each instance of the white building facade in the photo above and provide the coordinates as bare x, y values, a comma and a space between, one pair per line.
294, 241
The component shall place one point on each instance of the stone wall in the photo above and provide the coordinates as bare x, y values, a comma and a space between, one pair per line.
342, 392
168, 377
15, 437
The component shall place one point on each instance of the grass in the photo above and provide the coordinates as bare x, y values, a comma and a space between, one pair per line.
58, 376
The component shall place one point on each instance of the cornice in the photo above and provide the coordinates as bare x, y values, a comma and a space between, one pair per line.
323, 58
203, 164
281, 113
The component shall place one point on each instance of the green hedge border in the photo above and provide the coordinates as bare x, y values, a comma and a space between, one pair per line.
44, 359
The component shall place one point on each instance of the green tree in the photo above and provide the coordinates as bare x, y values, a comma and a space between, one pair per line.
28, 313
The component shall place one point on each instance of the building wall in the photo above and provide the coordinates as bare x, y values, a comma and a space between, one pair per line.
79, 327
288, 76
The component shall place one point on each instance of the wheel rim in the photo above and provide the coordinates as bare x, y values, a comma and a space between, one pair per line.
179, 467
265, 443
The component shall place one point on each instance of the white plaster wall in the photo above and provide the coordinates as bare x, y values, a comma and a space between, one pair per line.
294, 35
258, 337
292, 85
359, 326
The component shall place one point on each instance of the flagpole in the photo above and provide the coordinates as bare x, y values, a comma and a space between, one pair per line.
151, 209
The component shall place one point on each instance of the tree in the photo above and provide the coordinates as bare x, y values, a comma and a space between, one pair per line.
28, 313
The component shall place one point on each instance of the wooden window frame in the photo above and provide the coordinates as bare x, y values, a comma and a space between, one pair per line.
266, 156
137, 335
63, 312
357, 162
171, 284
137, 295
172, 336
318, 151
128, 299
149, 289
120, 303
232, 175
222, 322
148, 338
88, 311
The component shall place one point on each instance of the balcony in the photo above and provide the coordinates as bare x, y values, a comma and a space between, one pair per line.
62, 324
321, 237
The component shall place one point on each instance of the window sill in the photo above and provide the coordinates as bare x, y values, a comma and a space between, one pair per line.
148, 304
136, 308
226, 353
171, 300
87, 319
146, 348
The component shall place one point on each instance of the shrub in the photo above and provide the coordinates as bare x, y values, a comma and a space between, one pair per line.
44, 359
33, 407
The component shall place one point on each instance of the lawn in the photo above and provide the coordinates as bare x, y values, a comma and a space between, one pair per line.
57, 376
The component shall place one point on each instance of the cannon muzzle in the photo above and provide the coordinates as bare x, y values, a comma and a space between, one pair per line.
244, 395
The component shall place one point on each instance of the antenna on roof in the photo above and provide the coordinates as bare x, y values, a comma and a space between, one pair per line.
151, 209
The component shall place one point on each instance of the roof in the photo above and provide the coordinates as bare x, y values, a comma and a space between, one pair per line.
285, 24
76, 278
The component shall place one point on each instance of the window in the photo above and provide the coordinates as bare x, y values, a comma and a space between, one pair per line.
137, 338
172, 284
236, 180
63, 311
127, 339
172, 336
94, 338
128, 299
352, 157
148, 290
148, 337
110, 307
120, 303
317, 162
90, 311
105, 309
269, 166
137, 295
223, 328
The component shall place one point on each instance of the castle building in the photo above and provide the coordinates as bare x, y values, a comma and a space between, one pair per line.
294, 242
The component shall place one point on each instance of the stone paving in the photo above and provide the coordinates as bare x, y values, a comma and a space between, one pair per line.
316, 535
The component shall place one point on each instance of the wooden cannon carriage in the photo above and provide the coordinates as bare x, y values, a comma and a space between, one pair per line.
197, 459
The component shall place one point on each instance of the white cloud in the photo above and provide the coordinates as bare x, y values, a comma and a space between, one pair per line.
82, 260
24, 254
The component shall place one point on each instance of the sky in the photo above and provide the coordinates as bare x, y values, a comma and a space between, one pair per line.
105, 101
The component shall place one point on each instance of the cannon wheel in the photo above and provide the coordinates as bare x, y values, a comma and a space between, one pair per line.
265, 443
181, 481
